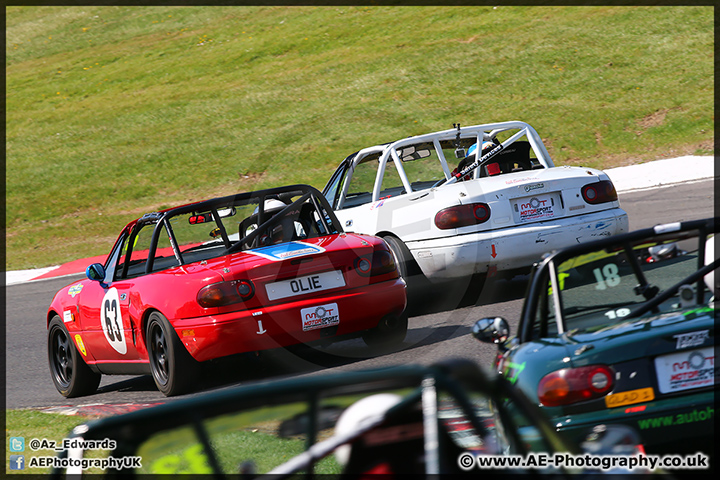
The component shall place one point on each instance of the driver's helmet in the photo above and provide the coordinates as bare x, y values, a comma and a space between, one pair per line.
271, 205
354, 416
485, 146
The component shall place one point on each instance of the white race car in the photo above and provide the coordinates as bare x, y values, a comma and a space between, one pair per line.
449, 210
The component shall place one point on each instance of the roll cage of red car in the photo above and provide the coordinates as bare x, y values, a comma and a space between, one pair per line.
331, 224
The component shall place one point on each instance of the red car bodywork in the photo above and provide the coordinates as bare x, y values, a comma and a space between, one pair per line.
214, 332
289, 276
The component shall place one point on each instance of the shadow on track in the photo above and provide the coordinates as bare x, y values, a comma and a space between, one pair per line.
425, 298
303, 359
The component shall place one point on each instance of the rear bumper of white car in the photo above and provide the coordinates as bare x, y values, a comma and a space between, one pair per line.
510, 248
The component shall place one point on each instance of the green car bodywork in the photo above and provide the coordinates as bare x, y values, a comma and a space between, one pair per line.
621, 331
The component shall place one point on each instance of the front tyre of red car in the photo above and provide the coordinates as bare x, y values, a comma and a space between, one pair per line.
172, 367
390, 332
70, 374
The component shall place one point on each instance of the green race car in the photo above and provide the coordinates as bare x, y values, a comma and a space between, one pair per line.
621, 331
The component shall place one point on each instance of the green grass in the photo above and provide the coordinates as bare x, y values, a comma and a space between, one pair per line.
116, 111
33, 424
249, 434
232, 446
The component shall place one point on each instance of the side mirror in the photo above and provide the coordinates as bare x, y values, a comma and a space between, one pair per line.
95, 272
492, 330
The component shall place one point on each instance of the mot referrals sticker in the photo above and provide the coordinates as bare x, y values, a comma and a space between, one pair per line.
320, 316
686, 370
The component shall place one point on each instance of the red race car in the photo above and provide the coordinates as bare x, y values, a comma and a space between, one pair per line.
241, 273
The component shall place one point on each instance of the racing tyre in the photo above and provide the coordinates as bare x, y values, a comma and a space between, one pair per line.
70, 374
390, 332
419, 290
403, 258
172, 367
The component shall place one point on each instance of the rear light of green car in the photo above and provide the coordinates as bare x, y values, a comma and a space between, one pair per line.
573, 385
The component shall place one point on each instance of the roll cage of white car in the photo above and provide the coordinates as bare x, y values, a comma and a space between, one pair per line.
475, 134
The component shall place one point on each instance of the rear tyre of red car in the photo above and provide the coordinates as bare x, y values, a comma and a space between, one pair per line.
70, 374
390, 332
172, 367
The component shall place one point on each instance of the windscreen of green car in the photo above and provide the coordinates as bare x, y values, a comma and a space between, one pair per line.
599, 289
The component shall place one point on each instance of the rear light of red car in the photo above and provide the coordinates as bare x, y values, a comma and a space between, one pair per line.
462, 216
599, 192
225, 293
572, 385
377, 263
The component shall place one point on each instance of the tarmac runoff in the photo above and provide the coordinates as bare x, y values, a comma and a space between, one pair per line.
644, 176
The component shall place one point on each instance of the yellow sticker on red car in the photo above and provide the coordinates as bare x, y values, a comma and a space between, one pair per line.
630, 397
80, 344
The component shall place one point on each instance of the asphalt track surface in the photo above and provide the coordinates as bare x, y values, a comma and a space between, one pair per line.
439, 331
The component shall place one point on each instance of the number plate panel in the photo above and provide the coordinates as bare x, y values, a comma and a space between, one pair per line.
685, 370
304, 285
537, 207
630, 397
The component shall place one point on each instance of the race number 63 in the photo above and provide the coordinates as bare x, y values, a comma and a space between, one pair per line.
111, 321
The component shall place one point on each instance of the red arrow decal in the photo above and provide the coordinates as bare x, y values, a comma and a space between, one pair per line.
493, 254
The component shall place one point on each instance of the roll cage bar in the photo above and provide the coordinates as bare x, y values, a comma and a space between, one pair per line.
546, 271
161, 219
469, 135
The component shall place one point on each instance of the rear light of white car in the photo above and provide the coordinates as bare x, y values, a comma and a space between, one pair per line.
599, 192
225, 293
572, 385
462, 216
378, 263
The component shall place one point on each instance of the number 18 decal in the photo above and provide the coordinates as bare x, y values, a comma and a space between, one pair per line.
111, 321
608, 277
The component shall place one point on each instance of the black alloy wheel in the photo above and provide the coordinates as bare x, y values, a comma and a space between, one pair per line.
172, 367
70, 374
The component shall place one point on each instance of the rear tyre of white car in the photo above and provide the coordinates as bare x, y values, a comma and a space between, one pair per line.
406, 265
173, 368
420, 292
390, 332
70, 374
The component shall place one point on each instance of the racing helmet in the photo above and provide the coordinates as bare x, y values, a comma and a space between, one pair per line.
271, 205
356, 414
486, 144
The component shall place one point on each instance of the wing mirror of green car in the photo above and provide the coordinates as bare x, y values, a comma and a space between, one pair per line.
492, 330
95, 272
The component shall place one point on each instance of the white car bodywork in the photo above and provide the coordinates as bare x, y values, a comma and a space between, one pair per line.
397, 189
